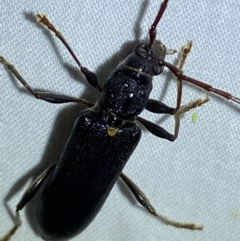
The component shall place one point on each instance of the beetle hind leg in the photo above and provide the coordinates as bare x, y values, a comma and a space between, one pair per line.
27, 196
17, 224
144, 201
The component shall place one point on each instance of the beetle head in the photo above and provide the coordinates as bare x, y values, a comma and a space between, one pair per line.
145, 59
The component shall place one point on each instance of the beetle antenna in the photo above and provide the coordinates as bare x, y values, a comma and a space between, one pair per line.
201, 84
152, 30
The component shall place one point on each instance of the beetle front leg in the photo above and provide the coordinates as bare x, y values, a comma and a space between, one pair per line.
27, 196
90, 76
144, 201
46, 96
158, 107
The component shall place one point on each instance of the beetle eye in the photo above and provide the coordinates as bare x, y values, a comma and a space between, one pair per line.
142, 51
156, 69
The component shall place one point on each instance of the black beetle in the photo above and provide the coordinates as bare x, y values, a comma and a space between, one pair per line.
104, 134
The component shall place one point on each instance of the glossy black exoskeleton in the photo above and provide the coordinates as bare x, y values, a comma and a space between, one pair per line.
101, 141
104, 137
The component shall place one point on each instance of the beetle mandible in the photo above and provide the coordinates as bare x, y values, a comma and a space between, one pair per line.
110, 127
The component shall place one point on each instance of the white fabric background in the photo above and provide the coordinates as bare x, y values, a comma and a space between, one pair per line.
196, 178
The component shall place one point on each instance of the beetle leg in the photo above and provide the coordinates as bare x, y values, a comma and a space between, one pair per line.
160, 131
47, 96
18, 223
27, 196
143, 200
156, 130
34, 187
90, 76
161, 108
